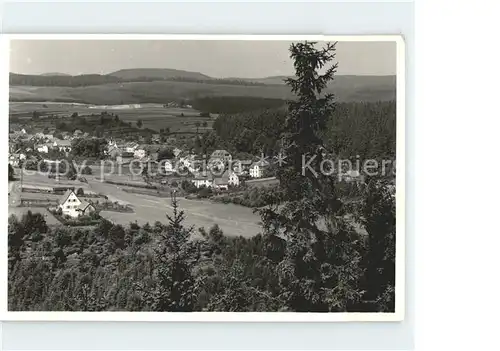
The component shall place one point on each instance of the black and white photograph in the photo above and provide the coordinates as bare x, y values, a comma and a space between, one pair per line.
206, 174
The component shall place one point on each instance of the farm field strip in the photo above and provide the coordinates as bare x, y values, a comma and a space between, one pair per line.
153, 116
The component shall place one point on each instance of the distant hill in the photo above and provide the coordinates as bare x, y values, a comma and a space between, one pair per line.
345, 89
55, 74
142, 85
159, 73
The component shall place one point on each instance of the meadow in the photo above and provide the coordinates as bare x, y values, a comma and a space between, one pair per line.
234, 220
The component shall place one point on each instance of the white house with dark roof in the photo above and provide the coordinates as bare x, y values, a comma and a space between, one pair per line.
62, 145
42, 148
72, 206
222, 155
203, 180
227, 178
233, 180
169, 165
257, 169
222, 182
70, 203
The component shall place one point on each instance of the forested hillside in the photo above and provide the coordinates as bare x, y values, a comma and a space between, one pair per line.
364, 129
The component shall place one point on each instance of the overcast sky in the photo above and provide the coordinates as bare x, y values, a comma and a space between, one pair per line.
245, 59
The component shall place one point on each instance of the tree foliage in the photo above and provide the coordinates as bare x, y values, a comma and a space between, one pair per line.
11, 172
84, 147
173, 288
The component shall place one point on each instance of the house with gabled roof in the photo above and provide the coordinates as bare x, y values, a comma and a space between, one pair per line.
257, 168
131, 147
62, 145
233, 180
221, 155
72, 206
86, 208
203, 180
241, 167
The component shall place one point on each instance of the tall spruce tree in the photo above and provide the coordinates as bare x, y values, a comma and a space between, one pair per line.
174, 290
321, 270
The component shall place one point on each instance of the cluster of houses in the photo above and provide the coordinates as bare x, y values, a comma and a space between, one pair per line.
132, 151
126, 152
230, 176
40, 142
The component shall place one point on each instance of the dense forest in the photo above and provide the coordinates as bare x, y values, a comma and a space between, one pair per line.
309, 256
367, 129
234, 104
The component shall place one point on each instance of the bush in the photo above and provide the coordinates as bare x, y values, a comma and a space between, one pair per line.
142, 238
204, 193
87, 170
80, 192
188, 187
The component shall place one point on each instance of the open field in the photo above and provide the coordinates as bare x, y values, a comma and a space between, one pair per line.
346, 88
153, 116
232, 219
32, 178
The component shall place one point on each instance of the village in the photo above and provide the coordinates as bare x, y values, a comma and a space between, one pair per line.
114, 185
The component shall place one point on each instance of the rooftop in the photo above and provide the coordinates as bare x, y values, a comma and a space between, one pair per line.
65, 196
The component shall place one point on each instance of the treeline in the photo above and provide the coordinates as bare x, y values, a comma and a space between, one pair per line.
221, 81
250, 197
367, 129
62, 81
234, 104
98, 79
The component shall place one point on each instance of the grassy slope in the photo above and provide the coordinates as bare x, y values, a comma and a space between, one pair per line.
346, 88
